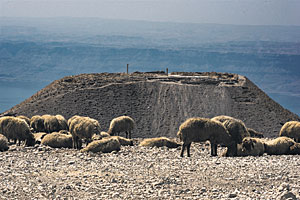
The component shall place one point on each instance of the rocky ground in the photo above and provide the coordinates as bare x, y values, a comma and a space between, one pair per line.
135, 172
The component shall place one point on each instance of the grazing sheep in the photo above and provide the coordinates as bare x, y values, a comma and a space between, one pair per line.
63, 125
291, 129
279, 146
16, 129
83, 128
201, 130
236, 129
25, 118
254, 133
295, 149
159, 142
3, 143
58, 140
121, 124
37, 123
51, 123
105, 145
39, 136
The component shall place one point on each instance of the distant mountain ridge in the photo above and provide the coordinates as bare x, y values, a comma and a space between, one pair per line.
34, 52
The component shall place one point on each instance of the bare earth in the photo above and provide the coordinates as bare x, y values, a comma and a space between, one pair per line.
145, 173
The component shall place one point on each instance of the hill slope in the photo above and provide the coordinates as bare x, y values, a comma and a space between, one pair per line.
157, 102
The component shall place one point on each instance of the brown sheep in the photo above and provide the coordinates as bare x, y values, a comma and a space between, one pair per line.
123, 141
253, 146
159, 142
63, 125
121, 124
58, 140
235, 127
291, 129
83, 128
25, 118
37, 123
51, 123
16, 129
3, 143
279, 146
105, 145
201, 130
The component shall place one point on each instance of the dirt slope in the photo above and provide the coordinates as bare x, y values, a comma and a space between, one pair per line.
158, 103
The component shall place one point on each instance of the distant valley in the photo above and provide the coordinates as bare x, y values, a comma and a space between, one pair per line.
34, 53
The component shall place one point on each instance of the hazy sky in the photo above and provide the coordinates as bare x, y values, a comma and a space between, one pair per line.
255, 12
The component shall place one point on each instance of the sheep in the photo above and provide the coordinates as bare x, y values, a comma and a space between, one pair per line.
123, 141
83, 128
159, 142
71, 119
295, 149
105, 145
201, 130
51, 123
39, 136
63, 125
16, 129
3, 143
25, 118
100, 136
291, 129
58, 140
121, 124
254, 133
235, 127
279, 146
249, 147
37, 123
253, 146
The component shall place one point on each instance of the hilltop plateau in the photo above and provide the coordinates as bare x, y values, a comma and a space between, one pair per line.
158, 102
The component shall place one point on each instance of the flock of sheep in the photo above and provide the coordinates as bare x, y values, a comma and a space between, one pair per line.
239, 140
57, 132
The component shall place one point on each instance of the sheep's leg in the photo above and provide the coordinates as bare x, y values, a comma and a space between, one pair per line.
213, 150
74, 142
188, 147
126, 132
182, 149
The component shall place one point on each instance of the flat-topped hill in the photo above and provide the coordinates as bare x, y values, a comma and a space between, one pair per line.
158, 102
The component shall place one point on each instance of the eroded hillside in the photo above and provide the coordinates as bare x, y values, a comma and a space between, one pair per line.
158, 103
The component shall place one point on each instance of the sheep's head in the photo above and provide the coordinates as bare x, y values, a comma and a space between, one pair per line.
248, 143
30, 141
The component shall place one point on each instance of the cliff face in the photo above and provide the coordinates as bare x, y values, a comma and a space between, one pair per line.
158, 103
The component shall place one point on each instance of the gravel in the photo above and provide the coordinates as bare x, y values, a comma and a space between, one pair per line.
135, 172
